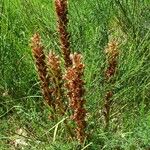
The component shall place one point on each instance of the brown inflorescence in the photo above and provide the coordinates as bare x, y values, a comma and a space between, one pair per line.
56, 79
112, 56
62, 11
37, 50
75, 93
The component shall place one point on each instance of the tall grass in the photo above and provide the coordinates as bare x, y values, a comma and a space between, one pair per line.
92, 25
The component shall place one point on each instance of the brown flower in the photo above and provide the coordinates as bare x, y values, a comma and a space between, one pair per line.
112, 59
37, 50
75, 93
62, 12
56, 79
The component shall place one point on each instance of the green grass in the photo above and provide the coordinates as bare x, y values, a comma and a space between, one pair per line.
92, 25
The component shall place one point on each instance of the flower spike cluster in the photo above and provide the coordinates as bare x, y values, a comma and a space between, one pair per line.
76, 92
51, 76
62, 11
37, 50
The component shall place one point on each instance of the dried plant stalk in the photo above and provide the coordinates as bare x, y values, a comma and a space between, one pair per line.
112, 56
37, 50
76, 92
62, 11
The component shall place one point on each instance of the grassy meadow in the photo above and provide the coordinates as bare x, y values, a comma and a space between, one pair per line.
92, 24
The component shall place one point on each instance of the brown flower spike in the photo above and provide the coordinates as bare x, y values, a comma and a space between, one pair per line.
76, 92
62, 11
112, 56
37, 50
56, 79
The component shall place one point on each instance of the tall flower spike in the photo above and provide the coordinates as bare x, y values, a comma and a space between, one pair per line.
112, 55
75, 93
56, 77
62, 11
37, 50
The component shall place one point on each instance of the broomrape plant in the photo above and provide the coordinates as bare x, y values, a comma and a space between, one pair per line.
54, 83
64, 90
